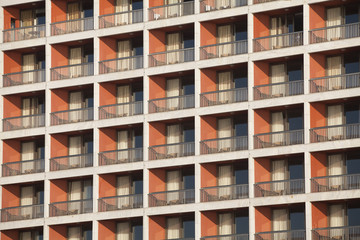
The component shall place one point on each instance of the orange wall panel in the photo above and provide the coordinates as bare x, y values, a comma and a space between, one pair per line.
318, 164
157, 179
317, 115
59, 145
58, 232
317, 16
58, 10
108, 48
59, 100
11, 151
107, 7
208, 175
11, 12
319, 215
261, 25
107, 93
157, 226
59, 55
12, 62
262, 121
107, 230
154, 3
262, 170
157, 86
107, 185
10, 196
157, 41
317, 65
58, 190
209, 224
157, 133
12, 106
261, 73
10, 235
207, 33
262, 219
208, 127
108, 139
208, 80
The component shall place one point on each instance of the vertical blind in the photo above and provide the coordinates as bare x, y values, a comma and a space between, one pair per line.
75, 148
75, 59
123, 96
278, 173
123, 143
74, 233
26, 199
336, 167
224, 131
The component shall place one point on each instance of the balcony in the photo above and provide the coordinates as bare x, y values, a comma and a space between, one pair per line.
290, 235
23, 167
275, 90
20, 78
276, 139
121, 110
279, 188
72, 71
223, 49
220, 145
227, 237
171, 57
72, 116
171, 103
183, 196
173, 150
121, 156
72, 161
121, 18
72, 26
121, 64
24, 33
120, 202
335, 183
278, 41
221, 193
71, 207
171, 10
331, 83
22, 213
23, 122
214, 5
334, 33
334, 133
223, 97
344, 233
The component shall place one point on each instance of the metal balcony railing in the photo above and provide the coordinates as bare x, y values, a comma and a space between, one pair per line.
221, 193
121, 156
27, 77
171, 10
223, 49
171, 57
343, 233
22, 213
23, 167
188, 238
121, 18
23, 122
334, 133
71, 207
121, 64
183, 196
335, 183
278, 188
120, 202
213, 5
72, 116
334, 33
227, 237
24, 33
289, 235
121, 110
173, 150
72, 26
223, 97
275, 139
72, 71
220, 145
282, 89
171, 103
278, 41
71, 161
263, 1
331, 83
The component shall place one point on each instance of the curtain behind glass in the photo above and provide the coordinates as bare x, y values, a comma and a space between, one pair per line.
122, 144
277, 125
173, 228
124, 52
173, 90
74, 233
123, 96
226, 222
280, 223
75, 145
123, 189
173, 43
221, 4
225, 178
224, 131
28, 64
75, 59
278, 173
26, 199
337, 219
75, 103
335, 117
278, 76
333, 69
27, 153
173, 136
336, 167
25, 235
123, 6
224, 83
29, 107
27, 20
173, 11
334, 18
225, 35
74, 14
173, 183
123, 231
75, 193
277, 28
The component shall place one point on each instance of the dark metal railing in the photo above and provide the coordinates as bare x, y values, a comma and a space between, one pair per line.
23, 167
26, 77
171, 103
24, 33
171, 10
335, 183
121, 18
334, 33
278, 235
278, 41
121, 156
71, 207
214, 5
121, 64
227, 237
72, 26
219, 145
274, 139
72, 116
23, 122
173, 150
221, 193
282, 89
343, 233
331, 83
121, 110
120, 202
72, 71
171, 57
22, 213
182, 196
278, 188
223, 49
71, 161
223, 97
334, 133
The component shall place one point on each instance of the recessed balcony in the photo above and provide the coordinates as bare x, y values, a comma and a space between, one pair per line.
335, 183
121, 64
345, 233
278, 41
121, 18
23, 167
276, 139
173, 150
71, 161
171, 103
121, 156
23, 122
334, 33
72, 71
25, 77
121, 202
171, 10
72, 26
223, 97
334, 133
214, 5
220, 145
71, 207
22, 213
221, 193
24, 33
223, 49
121, 110
175, 197
279, 188
282, 89
337, 82
171, 57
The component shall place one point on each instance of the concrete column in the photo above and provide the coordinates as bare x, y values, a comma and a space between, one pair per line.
47, 18
96, 55
96, 13
250, 31
251, 222
306, 24
308, 219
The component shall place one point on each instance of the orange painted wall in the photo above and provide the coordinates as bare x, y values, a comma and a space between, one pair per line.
107, 93
58, 10
58, 190
261, 73
11, 12
108, 48
209, 224
107, 138
154, 3
208, 127
318, 164
107, 230
262, 121
157, 226
59, 100
262, 219
317, 16
107, 185
157, 41
157, 86
208, 80
157, 133
319, 215
208, 175
317, 65
317, 115
10, 235
59, 55
107, 7
207, 33
58, 232
11, 151
262, 170
261, 25
157, 180
12, 106
12, 62
10, 196
59, 145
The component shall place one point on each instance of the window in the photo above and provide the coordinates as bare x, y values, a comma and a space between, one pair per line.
177, 180
132, 230
31, 150
31, 235
233, 223
79, 190
284, 169
180, 227
79, 232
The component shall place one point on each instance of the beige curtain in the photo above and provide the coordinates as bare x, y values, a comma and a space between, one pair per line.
334, 18
123, 96
336, 167
123, 231
277, 125
123, 189
75, 144
75, 59
121, 7
278, 173
75, 102
173, 90
173, 183
226, 222
75, 193
74, 233
29, 108
221, 4
334, 66
173, 136
278, 75
27, 20
225, 178
280, 223
28, 64
26, 199
277, 28
25, 235
124, 52
173, 44
335, 117
224, 83
74, 14
337, 219
224, 131
225, 35
122, 144
27, 153
173, 228
174, 11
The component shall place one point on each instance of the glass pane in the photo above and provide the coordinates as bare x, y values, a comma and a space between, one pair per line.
296, 170
40, 19
88, 189
189, 182
298, 22
138, 141
88, 235
188, 89
88, 13
139, 51
188, 43
295, 120
89, 147
353, 164
352, 113
241, 176
41, 197
189, 228
241, 129
351, 14
189, 135
240, 82
137, 232
351, 62
353, 216
241, 224
137, 5
89, 102
138, 186
139, 96
297, 220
